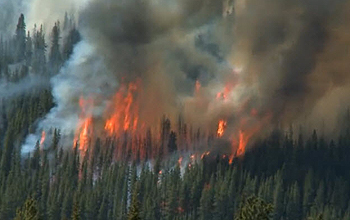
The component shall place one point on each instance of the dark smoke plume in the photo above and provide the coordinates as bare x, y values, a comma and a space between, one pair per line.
278, 59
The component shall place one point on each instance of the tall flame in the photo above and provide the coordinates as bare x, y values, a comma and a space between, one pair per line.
124, 109
85, 134
42, 140
85, 129
243, 141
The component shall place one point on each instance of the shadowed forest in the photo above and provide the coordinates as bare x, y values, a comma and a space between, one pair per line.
286, 175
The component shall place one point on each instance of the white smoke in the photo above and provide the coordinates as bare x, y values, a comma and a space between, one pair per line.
80, 77
47, 12
11, 89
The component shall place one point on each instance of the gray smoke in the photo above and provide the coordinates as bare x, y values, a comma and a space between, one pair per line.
281, 57
9, 13
11, 89
286, 42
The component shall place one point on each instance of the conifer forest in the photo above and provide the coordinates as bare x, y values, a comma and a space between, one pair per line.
174, 110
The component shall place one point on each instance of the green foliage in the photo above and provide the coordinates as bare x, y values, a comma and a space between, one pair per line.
303, 178
20, 39
254, 208
317, 217
68, 186
134, 211
76, 212
29, 211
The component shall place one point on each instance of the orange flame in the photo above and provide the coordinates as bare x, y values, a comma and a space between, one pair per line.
180, 161
245, 135
124, 110
221, 128
205, 154
198, 86
84, 131
42, 140
243, 141
85, 134
226, 91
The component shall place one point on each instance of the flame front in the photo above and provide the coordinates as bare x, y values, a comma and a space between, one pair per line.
124, 109
84, 131
121, 116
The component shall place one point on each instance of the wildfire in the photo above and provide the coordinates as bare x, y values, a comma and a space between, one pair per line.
198, 86
84, 135
222, 95
124, 109
221, 128
122, 116
205, 154
243, 140
43, 136
226, 91
84, 130
180, 161
245, 135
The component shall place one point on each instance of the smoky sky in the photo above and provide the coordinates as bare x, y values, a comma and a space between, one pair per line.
284, 41
10, 11
281, 57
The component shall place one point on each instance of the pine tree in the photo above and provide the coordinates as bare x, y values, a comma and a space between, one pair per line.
39, 51
207, 201
254, 208
278, 197
55, 58
29, 49
172, 146
20, 39
76, 211
293, 209
134, 211
71, 39
309, 189
29, 211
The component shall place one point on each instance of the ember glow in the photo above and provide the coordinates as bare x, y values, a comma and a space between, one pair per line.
180, 161
197, 86
205, 154
42, 140
221, 128
223, 95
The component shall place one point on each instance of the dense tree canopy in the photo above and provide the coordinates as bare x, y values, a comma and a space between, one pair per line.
283, 176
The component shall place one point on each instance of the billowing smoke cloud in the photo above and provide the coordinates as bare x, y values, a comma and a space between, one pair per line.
267, 62
286, 45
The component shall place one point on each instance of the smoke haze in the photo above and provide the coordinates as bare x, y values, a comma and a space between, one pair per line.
267, 62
